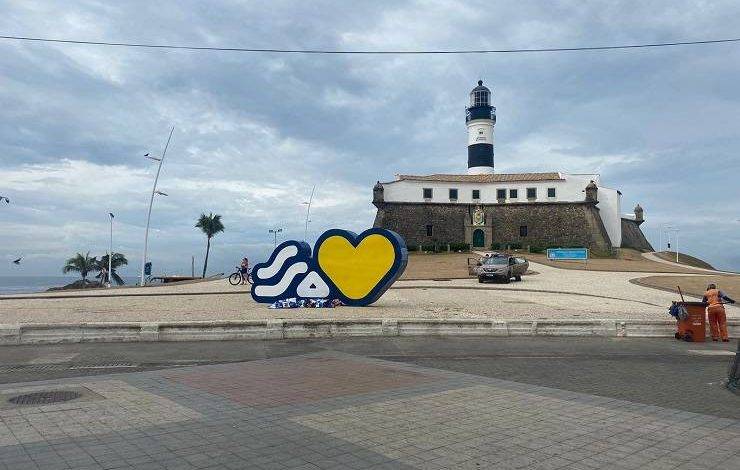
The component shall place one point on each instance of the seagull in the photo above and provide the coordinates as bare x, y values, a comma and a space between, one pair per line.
3, 198
17, 261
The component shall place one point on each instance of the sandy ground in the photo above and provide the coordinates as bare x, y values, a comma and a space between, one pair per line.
629, 261
441, 266
695, 285
581, 294
683, 259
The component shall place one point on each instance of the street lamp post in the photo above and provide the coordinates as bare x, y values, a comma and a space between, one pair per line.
110, 253
308, 212
670, 229
275, 231
675, 231
151, 202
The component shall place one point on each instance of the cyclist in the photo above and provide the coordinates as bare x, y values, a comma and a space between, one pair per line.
244, 269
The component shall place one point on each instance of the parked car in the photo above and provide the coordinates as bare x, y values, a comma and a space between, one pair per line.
502, 268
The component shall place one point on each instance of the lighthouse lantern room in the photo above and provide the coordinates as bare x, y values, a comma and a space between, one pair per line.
480, 118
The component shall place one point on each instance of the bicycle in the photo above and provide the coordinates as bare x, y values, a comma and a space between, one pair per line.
238, 278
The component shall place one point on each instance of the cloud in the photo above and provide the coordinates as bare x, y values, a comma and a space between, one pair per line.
255, 132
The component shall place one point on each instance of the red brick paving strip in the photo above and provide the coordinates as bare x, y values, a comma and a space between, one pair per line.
295, 381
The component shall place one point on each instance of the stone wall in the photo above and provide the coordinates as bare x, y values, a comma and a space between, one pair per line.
632, 236
548, 223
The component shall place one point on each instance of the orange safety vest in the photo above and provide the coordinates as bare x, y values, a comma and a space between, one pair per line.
713, 298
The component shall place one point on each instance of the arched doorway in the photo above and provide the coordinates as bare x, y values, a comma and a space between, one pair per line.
479, 238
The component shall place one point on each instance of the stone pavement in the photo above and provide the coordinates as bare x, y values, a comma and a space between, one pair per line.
336, 410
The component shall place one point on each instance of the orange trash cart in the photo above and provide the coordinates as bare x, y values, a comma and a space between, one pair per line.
694, 326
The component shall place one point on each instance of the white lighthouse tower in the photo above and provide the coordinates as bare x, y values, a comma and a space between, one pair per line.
480, 118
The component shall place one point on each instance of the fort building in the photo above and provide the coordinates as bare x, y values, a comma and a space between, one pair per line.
487, 209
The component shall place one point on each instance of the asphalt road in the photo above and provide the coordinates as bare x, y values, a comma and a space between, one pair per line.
662, 372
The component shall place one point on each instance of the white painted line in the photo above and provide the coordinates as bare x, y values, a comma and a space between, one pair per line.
711, 352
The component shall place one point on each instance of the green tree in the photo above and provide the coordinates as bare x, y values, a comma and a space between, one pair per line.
117, 261
210, 225
80, 263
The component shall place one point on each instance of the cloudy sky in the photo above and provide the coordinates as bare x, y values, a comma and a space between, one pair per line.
254, 132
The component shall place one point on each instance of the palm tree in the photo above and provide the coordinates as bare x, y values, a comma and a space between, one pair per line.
82, 264
210, 225
117, 261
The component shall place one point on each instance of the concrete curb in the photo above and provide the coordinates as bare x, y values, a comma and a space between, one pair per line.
40, 333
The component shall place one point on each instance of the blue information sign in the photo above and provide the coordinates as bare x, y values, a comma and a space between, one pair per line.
567, 253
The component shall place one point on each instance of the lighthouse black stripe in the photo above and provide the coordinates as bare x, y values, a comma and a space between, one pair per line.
480, 155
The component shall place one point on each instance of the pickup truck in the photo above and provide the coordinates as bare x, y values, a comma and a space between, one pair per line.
502, 268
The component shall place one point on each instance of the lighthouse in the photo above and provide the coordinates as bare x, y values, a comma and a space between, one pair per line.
480, 117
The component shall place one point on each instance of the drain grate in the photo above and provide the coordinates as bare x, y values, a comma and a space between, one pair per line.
46, 397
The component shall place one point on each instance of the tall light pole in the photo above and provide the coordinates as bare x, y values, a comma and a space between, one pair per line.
667, 229
110, 253
675, 231
275, 231
151, 201
308, 212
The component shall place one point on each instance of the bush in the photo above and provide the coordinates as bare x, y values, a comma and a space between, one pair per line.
495, 246
432, 248
412, 248
536, 249
515, 246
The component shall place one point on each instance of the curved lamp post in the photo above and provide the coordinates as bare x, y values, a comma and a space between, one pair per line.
151, 202
308, 212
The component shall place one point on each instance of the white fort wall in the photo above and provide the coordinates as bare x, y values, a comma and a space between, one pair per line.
570, 189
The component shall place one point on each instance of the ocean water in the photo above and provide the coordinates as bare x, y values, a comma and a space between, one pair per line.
31, 284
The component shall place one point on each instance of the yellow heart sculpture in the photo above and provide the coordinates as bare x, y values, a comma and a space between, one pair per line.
356, 270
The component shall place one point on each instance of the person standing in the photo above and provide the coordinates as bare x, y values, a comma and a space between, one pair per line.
716, 312
244, 269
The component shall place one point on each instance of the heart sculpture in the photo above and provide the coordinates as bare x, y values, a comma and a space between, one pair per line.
361, 267
356, 269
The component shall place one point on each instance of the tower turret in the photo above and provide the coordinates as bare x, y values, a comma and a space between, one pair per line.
378, 193
639, 214
592, 192
480, 117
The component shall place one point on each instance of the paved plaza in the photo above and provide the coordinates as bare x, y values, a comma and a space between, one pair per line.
332, 405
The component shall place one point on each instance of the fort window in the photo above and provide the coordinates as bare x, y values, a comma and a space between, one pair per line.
500, 194
513, 194
531, 193
429, 230
550, 192
522, 230
453, 194
427, 193
476, 194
